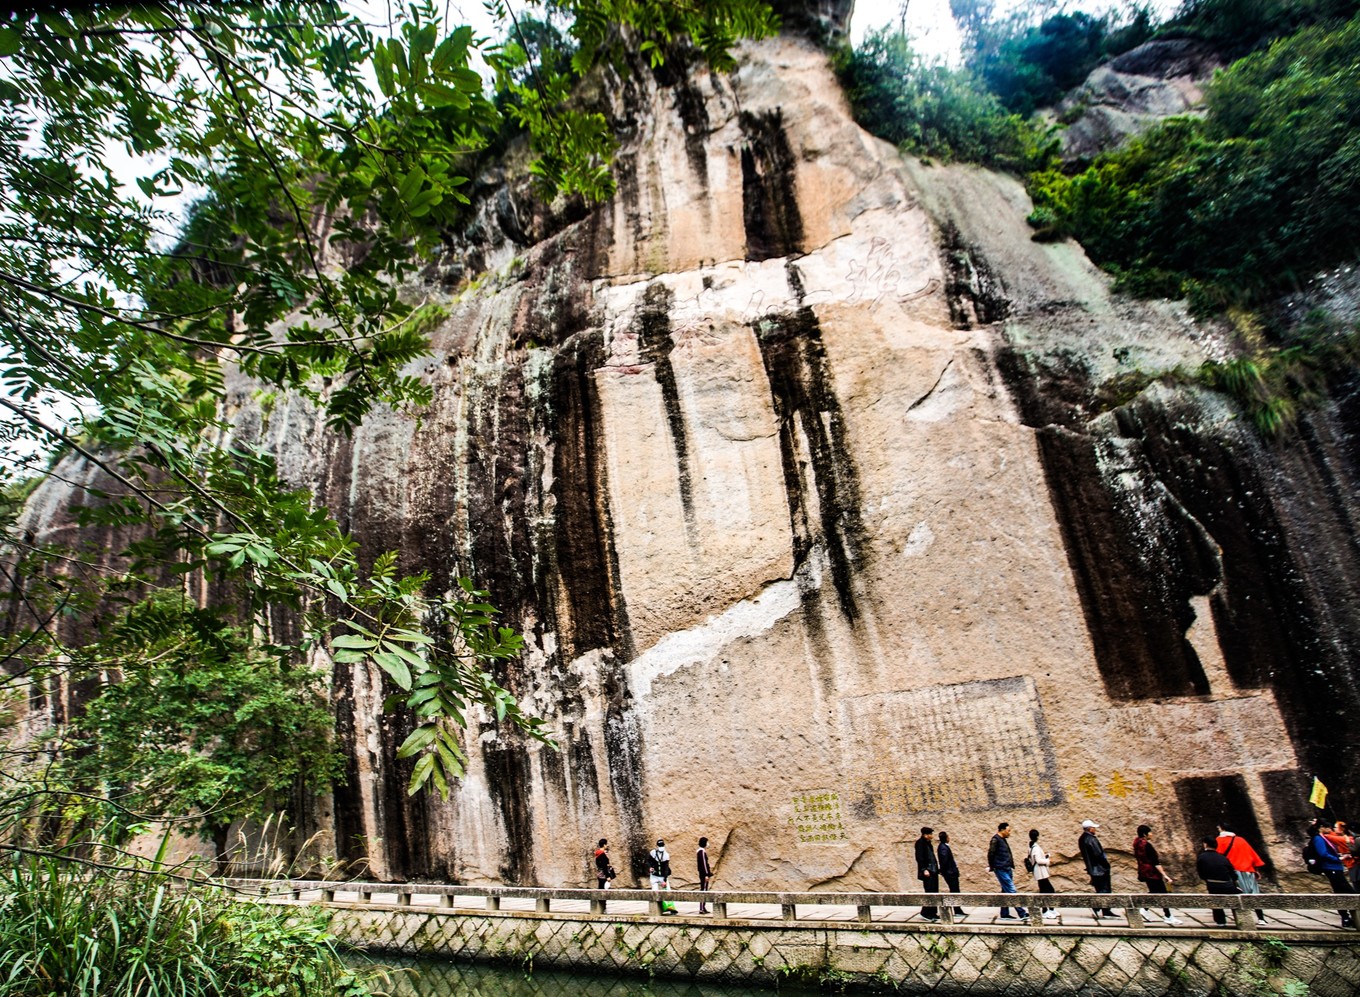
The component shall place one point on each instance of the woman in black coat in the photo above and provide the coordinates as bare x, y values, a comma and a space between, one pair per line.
949, 869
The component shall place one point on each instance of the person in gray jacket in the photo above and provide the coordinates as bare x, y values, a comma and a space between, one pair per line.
1097, 863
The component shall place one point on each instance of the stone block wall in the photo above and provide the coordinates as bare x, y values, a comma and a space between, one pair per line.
1014, 961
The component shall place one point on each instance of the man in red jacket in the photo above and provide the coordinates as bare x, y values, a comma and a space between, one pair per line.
1245, 862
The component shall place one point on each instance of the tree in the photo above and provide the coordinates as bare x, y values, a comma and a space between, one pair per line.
314, 196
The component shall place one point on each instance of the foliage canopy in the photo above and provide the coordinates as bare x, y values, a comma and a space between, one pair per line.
314, 196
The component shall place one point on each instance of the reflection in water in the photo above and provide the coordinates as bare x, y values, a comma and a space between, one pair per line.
420, 978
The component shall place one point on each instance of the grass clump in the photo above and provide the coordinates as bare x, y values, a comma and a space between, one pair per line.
73, 927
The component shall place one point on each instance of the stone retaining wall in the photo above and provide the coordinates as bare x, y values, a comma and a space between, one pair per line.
1016, 961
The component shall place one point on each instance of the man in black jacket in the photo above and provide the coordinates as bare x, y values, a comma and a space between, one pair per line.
928, 870
1097, 863
1002, 864
1218, 875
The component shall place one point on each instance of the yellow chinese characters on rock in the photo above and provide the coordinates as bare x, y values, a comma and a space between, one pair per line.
817, 818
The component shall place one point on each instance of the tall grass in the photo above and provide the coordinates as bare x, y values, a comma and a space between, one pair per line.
72, 927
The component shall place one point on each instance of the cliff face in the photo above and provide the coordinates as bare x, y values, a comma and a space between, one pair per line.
795, 464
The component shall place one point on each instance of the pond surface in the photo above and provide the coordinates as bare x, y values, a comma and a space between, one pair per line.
422, 978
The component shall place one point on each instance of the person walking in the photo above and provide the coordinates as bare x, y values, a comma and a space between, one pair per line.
949, 868
705, 871
1330, 865
659, 872
1096, 861
1150, 870
1245, 862
1002, 864
928, 870
1038, 866
1344, 843
1218, 875
604, 872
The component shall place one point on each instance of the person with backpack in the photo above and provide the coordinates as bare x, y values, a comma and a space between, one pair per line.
1329, 863
604, 872
1036, 864
1218, 875
1150, 870
659, 872
1245, 862
1344, 844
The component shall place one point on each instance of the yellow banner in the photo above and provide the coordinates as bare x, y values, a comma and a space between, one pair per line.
1318, 797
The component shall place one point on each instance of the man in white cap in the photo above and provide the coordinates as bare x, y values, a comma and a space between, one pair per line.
1097, 862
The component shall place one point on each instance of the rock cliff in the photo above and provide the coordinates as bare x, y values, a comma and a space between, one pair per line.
798, 465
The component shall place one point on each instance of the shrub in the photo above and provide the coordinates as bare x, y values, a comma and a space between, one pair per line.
932, 110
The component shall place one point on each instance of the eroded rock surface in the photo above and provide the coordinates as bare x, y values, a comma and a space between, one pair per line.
791, 464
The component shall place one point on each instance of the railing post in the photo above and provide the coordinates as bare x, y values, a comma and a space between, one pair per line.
1135, 917
1243, 919
864, 913
789, 911
946, 914
493, 903
1036, 915
597, 904
447, 900
654, 907
542, 905
719, 909
365, 897
404, 899
328, 896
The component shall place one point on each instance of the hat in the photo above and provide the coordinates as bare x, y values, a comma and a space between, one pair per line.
1089, 823
659, 842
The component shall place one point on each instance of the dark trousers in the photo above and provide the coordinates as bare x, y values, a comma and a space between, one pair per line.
703, 888
930, 883
1340, 884
601, 883
1101, 884
952, 881
1046, 886
1158, 886
1224, 890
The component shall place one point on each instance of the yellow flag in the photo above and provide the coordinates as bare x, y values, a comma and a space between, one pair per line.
1318, 797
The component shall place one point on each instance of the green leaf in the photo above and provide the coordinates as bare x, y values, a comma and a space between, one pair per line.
395, 667
417, 740
9, 41
353, 641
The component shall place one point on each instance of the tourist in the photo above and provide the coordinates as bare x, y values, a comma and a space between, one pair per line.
1344, 843
604, 872
1245, 862
1150, 870
928, 870
1002, 864
1218, 875
705, 871
1097, 863
659, 872
949, 868
1330, 865
1038, 866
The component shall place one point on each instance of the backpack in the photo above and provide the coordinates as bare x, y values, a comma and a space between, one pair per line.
1029, 862
1311, 858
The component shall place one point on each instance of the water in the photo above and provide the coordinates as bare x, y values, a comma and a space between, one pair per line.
430, 978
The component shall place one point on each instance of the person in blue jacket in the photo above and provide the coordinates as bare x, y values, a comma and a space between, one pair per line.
1330, 865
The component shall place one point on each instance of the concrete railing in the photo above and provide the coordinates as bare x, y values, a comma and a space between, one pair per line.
444, 896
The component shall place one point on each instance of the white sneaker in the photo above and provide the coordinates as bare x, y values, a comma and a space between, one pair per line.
1050, 914
1147, 914
1172, 920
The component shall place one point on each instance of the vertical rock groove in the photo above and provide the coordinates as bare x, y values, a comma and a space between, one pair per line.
655, 344
809, 413
769, 192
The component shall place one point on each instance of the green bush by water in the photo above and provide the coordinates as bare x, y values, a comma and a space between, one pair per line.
73, 929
